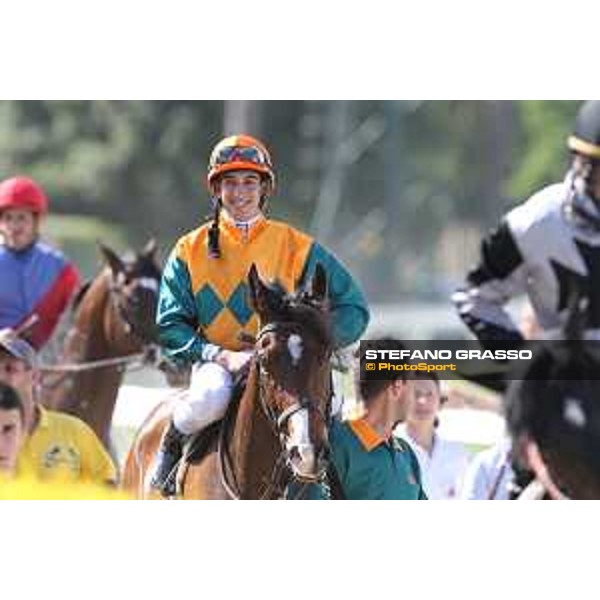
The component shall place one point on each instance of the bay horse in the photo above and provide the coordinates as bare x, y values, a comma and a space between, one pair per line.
277, 431
113, 321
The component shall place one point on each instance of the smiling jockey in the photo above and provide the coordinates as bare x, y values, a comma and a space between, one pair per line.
203, 303
37, 280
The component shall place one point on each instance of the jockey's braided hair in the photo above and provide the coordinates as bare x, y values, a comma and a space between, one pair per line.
214, 251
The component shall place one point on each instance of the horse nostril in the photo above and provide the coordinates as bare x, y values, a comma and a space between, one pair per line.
265, 343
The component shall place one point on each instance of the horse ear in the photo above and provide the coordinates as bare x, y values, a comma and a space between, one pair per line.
149, 250
263, 300
318, 284
112, 259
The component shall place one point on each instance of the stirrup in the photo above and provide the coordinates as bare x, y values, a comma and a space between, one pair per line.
164, 478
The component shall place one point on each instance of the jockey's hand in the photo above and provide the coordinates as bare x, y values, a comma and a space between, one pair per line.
233, 361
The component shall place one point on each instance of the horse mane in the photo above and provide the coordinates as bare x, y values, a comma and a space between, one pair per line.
79, 295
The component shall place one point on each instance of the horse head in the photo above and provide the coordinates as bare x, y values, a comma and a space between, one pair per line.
292, 356
134, 284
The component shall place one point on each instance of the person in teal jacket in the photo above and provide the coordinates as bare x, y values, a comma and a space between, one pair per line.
371, 463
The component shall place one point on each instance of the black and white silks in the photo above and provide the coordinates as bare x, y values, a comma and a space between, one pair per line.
539, 249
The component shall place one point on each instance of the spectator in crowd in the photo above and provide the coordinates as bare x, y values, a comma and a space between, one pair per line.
442, 462
57, 444
12, 428
489, 475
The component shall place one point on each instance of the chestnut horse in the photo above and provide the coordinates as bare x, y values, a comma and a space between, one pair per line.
113, 324
277, 432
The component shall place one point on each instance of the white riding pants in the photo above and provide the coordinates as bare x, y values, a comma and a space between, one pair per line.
211, 388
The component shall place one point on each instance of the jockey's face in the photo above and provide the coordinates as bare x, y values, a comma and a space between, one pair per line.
11, 438
18, 228
240, 193
589, 172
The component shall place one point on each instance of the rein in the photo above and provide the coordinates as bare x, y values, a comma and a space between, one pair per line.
148, 357
150, 351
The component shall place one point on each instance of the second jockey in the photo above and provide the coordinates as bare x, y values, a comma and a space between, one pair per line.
543, 247
38, 282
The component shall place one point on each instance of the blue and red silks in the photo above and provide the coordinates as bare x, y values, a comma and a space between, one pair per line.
37, 282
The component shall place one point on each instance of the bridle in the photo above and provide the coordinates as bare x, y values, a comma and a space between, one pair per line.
121, 300
149, 355
282, 474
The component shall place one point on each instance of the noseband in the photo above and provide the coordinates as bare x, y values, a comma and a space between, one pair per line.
120, 300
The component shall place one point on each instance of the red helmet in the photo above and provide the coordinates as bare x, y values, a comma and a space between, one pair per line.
24, 193
241, 152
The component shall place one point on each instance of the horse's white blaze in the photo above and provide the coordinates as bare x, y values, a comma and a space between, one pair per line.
299, 439
574, 413
294, 345
148, 283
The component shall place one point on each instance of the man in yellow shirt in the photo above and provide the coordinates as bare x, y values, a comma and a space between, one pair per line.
58, 445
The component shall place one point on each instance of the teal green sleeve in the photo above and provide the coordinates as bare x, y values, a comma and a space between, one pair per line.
348, 304
177, 314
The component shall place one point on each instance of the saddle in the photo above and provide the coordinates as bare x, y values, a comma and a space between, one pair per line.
200, 443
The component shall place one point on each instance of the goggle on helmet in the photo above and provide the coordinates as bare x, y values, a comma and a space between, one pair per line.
241, 153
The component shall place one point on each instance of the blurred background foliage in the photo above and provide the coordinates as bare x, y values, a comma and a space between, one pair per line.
401, 190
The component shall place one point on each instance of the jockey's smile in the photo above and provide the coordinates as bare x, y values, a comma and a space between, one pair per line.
241, 193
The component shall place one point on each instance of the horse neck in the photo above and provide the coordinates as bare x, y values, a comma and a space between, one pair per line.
91, 395
87, 338
253, 445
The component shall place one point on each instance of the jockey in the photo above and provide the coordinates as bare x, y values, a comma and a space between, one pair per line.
37, 280
542, 247
203, 306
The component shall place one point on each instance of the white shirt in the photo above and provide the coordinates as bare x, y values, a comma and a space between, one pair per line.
489, 474
442, 469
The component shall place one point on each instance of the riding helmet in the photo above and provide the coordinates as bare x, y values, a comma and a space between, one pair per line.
24, 193
241, 152
585, 139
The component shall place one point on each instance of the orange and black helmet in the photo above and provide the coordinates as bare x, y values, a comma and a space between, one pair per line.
585, 139
241, 152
